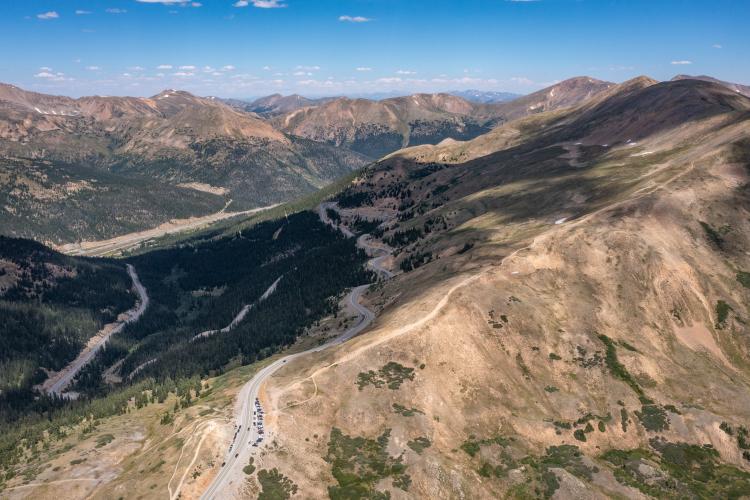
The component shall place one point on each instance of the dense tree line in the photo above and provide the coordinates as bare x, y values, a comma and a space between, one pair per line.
51, 305
203, 285
199, 285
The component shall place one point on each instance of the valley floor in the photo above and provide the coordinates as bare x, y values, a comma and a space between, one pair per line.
126, 242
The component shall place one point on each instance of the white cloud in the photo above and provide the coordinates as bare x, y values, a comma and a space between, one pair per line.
266, 68
48, 74
717, 46
261, 4
188, 67
45, 68
522, 80
268, 4
48, 15
681, 63
83, 12
164, 66
405, 72
228, 67
308, 68
183, 74
363, 68
115, 11
137, 68
394, 79
181, 3
302, 73
354, 19
93, 68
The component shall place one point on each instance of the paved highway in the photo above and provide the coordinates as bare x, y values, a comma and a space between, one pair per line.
241, 448
62, 379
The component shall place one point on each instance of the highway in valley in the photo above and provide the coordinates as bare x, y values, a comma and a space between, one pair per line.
60, 381
247, 432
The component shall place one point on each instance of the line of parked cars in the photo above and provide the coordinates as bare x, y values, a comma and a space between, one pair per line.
258, 422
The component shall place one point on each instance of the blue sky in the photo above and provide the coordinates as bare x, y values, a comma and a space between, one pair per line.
250, 48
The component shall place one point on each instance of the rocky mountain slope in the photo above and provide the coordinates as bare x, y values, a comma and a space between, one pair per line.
742, 89
172, 138
571, 320
484, 96
377, 128
277, 104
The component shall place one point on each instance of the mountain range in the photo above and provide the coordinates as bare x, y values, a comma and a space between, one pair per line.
564, 312
89, 168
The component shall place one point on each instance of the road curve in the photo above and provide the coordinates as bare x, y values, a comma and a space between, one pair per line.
62, 379
241, 450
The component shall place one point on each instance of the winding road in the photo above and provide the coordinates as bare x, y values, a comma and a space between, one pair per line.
57, 383
241, 450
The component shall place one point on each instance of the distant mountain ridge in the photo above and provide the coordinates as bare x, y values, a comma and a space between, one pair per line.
739, 88
484, 96
377, 128
172, 138
275, 104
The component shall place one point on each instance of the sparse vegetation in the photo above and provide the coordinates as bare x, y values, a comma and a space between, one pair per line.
250, 467
713, 235
653, 417
722, 313
391, 375
404, 411
678, 470
274, 485
472, 446
104, 440
617, 369
744, 278
419, 444
566, 457
358, 463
